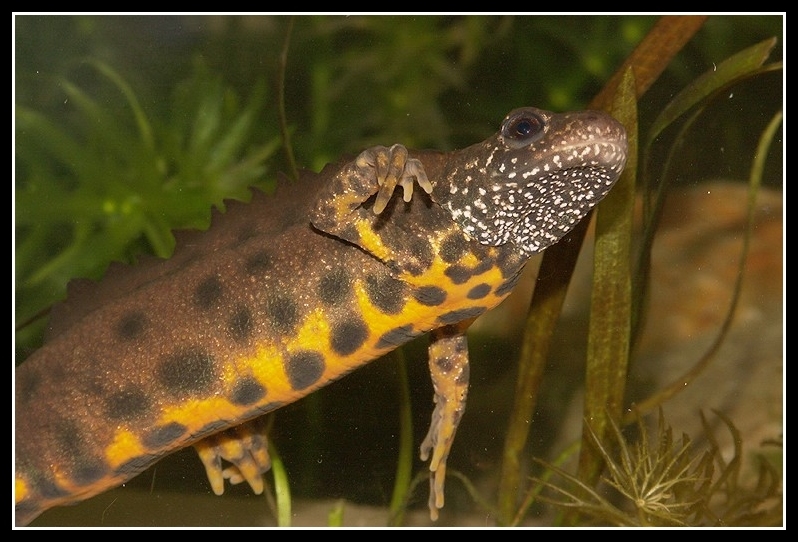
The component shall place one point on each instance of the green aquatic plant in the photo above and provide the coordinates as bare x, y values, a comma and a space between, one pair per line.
660, 480
108, 179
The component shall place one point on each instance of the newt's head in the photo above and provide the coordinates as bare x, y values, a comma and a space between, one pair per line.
535, 179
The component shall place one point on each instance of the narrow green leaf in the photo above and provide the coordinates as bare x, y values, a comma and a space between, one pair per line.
282, 490
231, 144
145, 130
611, 298
404, 461
740, 65
63, 147
286, 134
207, 119
335, 518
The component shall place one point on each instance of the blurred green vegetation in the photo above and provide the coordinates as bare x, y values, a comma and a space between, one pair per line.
128, 127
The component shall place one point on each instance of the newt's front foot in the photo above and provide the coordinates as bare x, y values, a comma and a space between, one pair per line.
343, 209
391, 166
377, 170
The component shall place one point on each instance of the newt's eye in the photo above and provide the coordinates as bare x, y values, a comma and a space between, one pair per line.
522, 129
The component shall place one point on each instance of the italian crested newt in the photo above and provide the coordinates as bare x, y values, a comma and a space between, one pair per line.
289, 292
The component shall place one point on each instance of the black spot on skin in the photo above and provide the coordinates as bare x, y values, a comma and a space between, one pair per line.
348, 336
70, 440
459, 350
137, 464
419, 257
483, 266
259, 263
247, 391
386, 293
282, 313
459, 315
396, 337
422, 250
413, 254
87, 473
187, 371
208, 293
240, 323
479, 291
126, 404
245, 233
453, 248
48, 489
337, 186
444, 364
83, 466
27, 382
458, 274
431, 296
334, 287
304, 369
163, 436
131, 326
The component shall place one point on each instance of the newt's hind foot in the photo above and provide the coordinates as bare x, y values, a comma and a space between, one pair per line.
245, 446
448, 363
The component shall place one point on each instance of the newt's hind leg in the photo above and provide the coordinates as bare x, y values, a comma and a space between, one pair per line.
448, 363
245, 447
